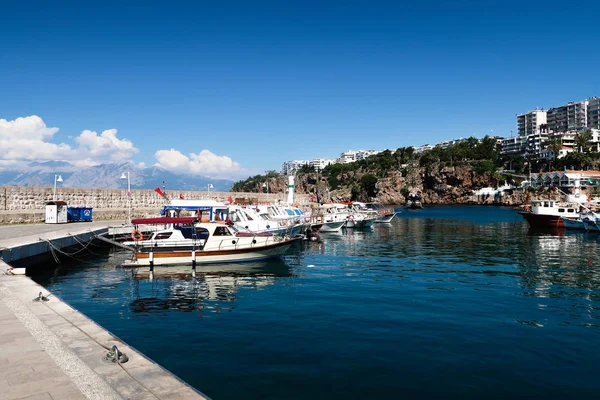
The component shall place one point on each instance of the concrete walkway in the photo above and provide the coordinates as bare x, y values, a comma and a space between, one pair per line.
48, 350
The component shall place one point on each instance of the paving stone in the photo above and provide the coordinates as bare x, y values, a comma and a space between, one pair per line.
41, 396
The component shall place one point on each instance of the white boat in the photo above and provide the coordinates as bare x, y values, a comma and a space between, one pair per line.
184, 241
384, 214
413, 200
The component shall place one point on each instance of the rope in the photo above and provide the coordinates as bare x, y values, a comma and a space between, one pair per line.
70, 255
112, 352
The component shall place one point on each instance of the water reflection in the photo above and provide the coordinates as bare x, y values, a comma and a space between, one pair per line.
214, 289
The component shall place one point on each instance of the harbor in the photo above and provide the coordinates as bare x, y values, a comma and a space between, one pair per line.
444, 300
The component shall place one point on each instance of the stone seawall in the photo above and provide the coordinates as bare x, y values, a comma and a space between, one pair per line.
23, 204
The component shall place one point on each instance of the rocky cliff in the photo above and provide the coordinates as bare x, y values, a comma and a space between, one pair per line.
438, 184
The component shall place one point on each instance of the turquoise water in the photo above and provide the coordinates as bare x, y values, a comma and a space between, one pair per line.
453, 302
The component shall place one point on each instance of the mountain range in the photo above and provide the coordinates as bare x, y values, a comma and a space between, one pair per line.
107, 176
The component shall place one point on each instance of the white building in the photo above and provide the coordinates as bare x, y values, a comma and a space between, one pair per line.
423, 148
347, 157
449, 143
513, 145
362, 154
531, 122
320, 163
290, 167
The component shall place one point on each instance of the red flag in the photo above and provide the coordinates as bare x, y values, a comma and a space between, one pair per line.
230, 199
180, 196
157, 190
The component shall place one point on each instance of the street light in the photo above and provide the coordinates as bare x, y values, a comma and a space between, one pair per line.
57, 178
123, 176
208, 187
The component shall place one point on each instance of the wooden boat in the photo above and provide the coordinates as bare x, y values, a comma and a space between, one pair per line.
185, 241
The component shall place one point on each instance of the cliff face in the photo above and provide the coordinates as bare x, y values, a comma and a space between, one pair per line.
437, 184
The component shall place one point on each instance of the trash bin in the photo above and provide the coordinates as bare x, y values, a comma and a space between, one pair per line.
86, 214
79, 214
56, 212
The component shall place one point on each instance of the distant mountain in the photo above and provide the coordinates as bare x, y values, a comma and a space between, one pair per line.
107, 176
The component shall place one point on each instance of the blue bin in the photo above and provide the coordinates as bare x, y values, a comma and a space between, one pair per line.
79, 214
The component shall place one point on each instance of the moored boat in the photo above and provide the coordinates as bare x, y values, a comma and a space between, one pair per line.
413, 201
186, 241
544, 214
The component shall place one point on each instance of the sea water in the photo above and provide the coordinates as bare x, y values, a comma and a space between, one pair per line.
444, 302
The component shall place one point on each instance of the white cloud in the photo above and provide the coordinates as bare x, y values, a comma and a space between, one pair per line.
203, 163
32, 128
27, 139
106, 147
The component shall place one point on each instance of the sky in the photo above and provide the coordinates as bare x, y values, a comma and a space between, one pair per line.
233, 89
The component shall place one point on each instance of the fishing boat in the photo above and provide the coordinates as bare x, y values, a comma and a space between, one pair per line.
185, 241
548, 213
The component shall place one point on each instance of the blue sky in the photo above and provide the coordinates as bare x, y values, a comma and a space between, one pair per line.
232, 89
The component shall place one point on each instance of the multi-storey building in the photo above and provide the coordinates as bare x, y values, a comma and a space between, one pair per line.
362, 154
513, 145
320, 163
593, 113
289, 167
530, 123
571, 116
347, 157
535, 143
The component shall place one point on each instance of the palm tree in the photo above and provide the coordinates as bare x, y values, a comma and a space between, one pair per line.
582, 141
554, 144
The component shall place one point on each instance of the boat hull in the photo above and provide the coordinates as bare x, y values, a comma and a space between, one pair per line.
186, 257
573, 223
542, 221
335, 226
386, 219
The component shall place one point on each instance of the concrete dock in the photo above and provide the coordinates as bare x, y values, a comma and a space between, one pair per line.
50, 351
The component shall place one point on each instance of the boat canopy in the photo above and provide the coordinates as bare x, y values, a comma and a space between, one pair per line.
164, 220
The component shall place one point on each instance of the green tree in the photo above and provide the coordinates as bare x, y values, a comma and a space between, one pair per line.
368, 185
582, 141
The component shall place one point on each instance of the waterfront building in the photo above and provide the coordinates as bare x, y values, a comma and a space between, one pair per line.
548, 154
535, 143
347, 157
290, 167
593, 113
423, 148
531, 123
320, 163
565, 179
362, 154
571, 116
513, 146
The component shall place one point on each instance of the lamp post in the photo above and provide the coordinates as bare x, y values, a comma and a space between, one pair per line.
57, 178
123, 176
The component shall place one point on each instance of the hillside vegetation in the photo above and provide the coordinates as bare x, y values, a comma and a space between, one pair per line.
442, 175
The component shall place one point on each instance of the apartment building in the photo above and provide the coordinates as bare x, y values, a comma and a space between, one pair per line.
513, 145
571, 116
347, 157
290, 167
593, 113
531, 122
320, 163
